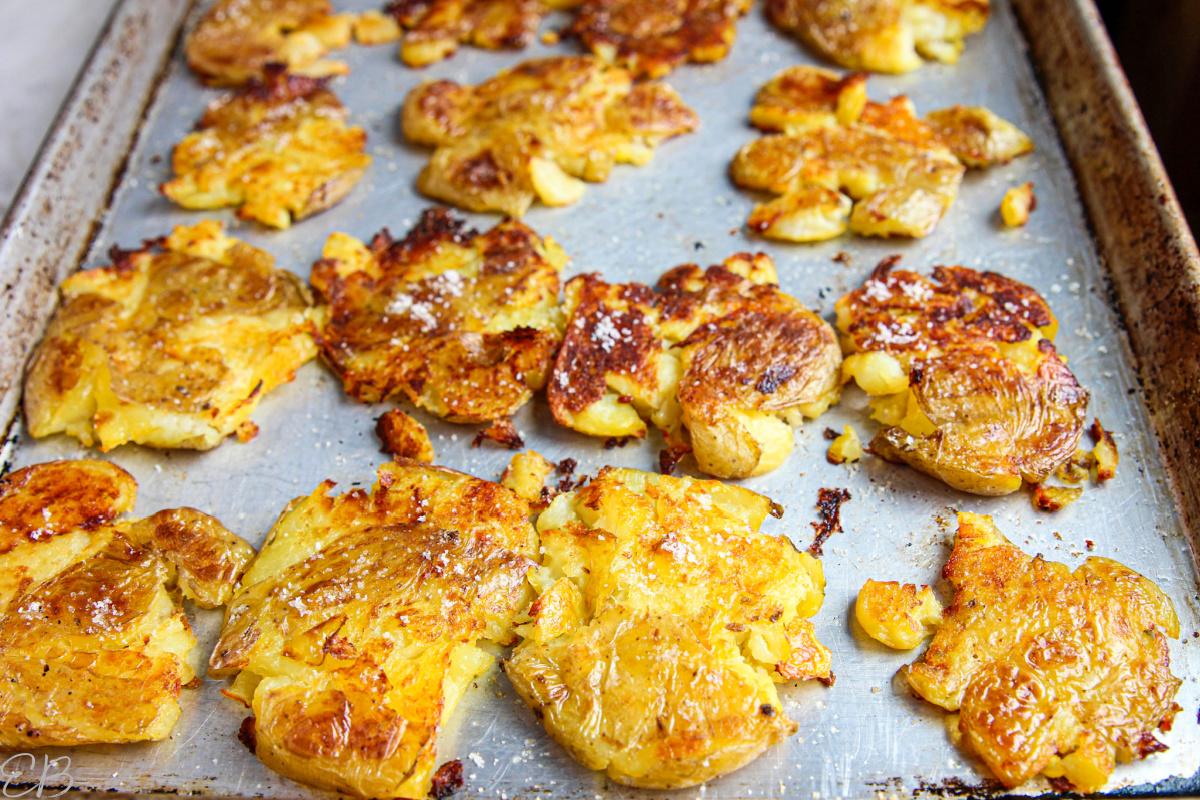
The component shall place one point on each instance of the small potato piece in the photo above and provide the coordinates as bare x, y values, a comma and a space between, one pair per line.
1017, 204
1053, 498
845, 447
236, 40
280, 150
173, 345
536, 130
839, 160
95, 647
355, 632
526, 475
1104, 454
664, 621
1050, 670
897, 616
404, 437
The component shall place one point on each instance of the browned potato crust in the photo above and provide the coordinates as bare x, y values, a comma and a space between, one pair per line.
536, 131
463, 324
237, 39
721, 353
403, 437
280, 149
842, 161
881, 35
93, 648
664, 620
354, 632
173, 345
967, 381
435, 28
1049, 670
652, 37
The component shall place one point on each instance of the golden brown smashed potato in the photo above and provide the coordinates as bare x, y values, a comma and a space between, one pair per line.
963, 376
463, 324
721, 354
664, 620
237, 39
355, 632
537, 131
1050, 671
94, 647
435, 28
170, 346
881, 35
280, 149
839, 161
899, 616
652, 37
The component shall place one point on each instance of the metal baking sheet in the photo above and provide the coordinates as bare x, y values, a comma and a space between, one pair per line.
861, 736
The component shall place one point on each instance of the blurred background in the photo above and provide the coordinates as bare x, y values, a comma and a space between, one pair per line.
43, 45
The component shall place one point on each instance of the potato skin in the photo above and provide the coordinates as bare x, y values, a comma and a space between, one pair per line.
1050, 671
664, 620
94, 646
354, 633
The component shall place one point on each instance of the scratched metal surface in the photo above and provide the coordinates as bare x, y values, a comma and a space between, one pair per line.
859, 736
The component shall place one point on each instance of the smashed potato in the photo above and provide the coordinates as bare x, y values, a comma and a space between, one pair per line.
1050, 671
651, 37
899, 616
435, 28
236, 40
964, 376
280, 150
537, 131
526, 475
721, 353
840, 161
170, 346
881, 35
661, 601
463, 324
354, 634
94, 646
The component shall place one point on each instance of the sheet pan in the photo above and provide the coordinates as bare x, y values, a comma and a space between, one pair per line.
95, 186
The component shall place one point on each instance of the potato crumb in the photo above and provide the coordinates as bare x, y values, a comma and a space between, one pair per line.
1017, 204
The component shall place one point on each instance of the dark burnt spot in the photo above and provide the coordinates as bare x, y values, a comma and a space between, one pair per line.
831, 434
246, 735
767, 710
502, 432
829, 509
885, 266
670, 456
436, 226
447, 780
774, 376
566, 466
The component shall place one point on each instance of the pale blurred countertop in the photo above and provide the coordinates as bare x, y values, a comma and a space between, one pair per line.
43, 45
